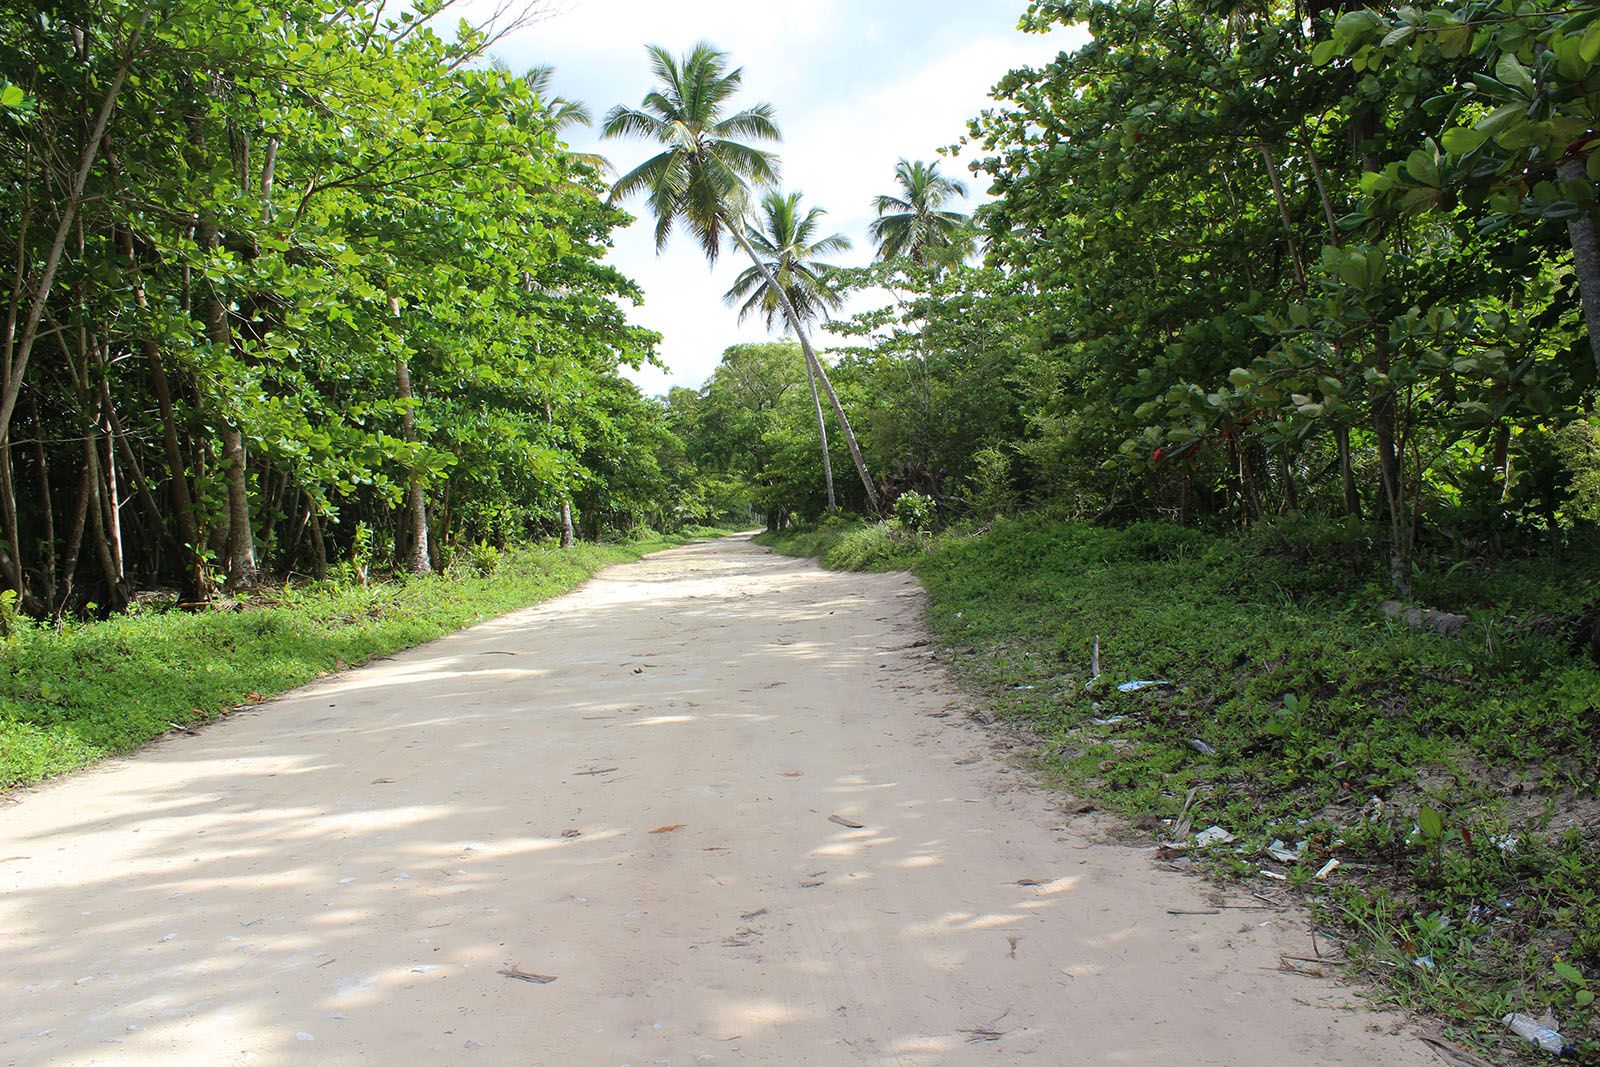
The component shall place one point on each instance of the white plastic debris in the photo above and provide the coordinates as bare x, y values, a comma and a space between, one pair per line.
1134, 687
1528, 1028
1212, 835
1201, 747
1284, 854
1326, 869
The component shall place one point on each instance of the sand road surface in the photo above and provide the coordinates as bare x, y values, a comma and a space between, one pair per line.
716, 807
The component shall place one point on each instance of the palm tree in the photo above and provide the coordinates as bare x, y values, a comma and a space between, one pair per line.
913, 225
702, 179
788, 254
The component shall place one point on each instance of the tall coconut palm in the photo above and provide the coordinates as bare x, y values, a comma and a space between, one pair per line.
701, 181
914, 224
785, 247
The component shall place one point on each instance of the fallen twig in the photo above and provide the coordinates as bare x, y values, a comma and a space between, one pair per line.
528, 976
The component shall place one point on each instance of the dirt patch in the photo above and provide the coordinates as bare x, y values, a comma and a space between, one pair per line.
718, 807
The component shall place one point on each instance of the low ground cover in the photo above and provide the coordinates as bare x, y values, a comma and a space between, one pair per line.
1456, 779
81, 691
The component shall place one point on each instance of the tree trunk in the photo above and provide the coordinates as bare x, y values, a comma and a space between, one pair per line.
241, 532
8, 512
112, 498
192, 586
1347, 474
812, 361
822, 435
418, 560
319, 549
1585, 257
48, 593
1288, 223
566, 523
98, 522
1392, 473
80, 516
16, 349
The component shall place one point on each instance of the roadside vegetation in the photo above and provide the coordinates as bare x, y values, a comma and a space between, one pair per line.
1278, 312
73, 694
1454, 778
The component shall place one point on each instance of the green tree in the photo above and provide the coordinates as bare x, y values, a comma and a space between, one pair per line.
702, 179
915, 224
788, 248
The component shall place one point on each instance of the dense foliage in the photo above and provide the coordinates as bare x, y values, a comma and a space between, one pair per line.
1253, 264
1187, 678
290, 284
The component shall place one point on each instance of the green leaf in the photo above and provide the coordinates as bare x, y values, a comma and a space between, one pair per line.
1453, 42
12, 96
1459, 140
1510, 71
1398, 35
1568, 972
1501, 119
1589, 47
1353, 25
1431, 821
1422, 166
1324, 52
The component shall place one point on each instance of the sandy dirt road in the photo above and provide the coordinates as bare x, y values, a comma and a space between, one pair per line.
720, 797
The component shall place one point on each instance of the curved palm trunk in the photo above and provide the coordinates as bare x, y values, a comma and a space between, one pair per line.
822, 435
813, 364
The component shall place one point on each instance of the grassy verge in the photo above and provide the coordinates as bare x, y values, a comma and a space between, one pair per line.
73, 695
1453, 778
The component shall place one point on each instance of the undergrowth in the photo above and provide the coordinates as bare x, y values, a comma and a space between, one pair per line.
1455, 779
74, 694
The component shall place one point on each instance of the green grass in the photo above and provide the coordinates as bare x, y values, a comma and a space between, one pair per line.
89, 690
1329, 723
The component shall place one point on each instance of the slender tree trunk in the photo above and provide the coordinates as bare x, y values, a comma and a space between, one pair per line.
1390, 469
98, 522
1322, 191
80, 516
47, 511
241, 532
1283, 213
1347, 474
8, 512
812, 361
822, 436
112, 496
16, 350
192, 587
418, 560
141, 485
566, 523
1291, 496
1585, 257
319, 549
1502, 458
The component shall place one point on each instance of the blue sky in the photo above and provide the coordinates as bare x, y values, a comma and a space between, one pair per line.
856, 86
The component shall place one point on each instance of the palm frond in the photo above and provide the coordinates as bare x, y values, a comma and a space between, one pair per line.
630, 122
